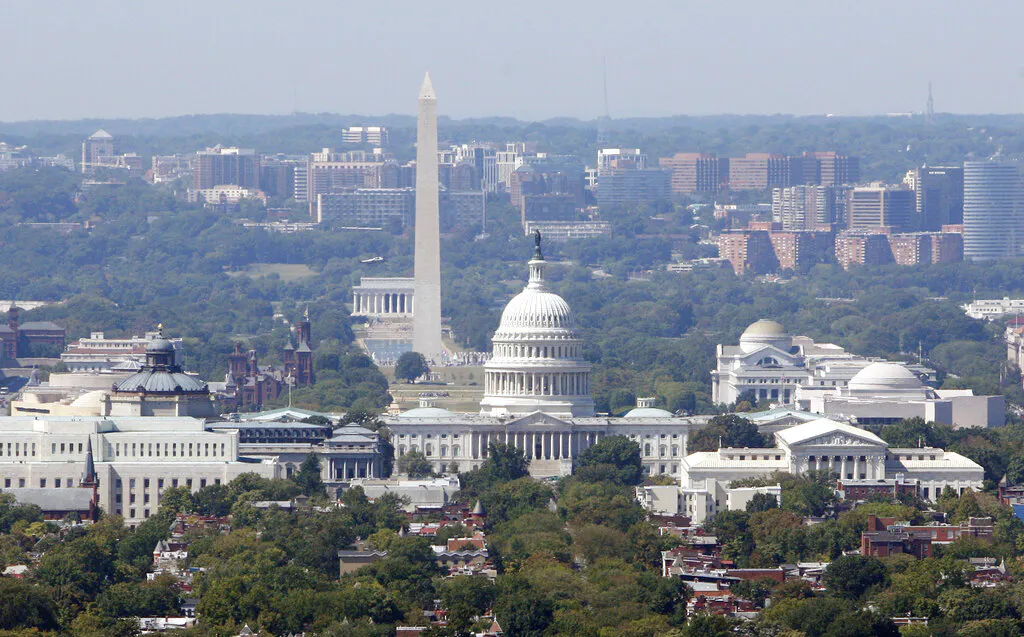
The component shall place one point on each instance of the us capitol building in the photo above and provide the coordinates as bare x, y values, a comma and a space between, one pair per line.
537, 398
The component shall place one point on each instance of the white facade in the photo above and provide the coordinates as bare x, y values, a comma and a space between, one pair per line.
993, 308
772, 364
135, 458
98, 353
384, 297
826, 445
885, 393
549, 442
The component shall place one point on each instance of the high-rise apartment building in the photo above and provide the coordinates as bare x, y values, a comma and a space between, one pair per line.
879, 206
220, 166
808, 207
993, 209
97, 150
693, 172
940, 195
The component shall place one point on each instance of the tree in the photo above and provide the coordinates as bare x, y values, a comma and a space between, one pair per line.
410, 366
23, 605
729, 431
520, 609
615, 458
415, 465
762, 502
308, 477
851, 576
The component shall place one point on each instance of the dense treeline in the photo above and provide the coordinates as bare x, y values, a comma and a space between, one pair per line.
149, 258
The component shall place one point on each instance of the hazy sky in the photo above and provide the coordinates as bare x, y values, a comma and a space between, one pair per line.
530, 59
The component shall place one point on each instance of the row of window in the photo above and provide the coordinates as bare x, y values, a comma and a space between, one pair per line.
70, 447
456, 436
537, 351
18, 449
170, 449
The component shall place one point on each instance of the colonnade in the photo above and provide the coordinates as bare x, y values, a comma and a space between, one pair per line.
347, 468
537, 383
538, 445
383, 302
871, 467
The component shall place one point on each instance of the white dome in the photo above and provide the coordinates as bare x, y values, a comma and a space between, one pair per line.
647, 412
884, 377
763, 328
765, 332
426, 412
536, 308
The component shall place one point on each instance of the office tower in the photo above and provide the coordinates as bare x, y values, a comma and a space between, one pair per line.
219, 166
828, 169
610, 160
97, 149
427, 260
940, 195
373, 135
878, 206
693, 172
632, 187
758, 171
993, 209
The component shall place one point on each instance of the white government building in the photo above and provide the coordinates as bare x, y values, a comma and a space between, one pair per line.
853, 454
537, 397
826, 379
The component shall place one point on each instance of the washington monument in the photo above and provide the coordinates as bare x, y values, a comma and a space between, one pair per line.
426, 330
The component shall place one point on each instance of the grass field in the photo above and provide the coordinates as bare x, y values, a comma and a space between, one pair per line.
288, 272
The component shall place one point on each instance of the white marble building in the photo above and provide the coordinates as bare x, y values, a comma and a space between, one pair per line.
537, 397
135, 458
847, 451
772, 364
884, 393
384, 297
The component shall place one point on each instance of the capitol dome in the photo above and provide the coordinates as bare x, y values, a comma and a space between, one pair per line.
536, 308
884, 377
765, 332
537, 359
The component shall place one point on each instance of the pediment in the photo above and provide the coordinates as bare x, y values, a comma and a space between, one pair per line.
765, 351
838, 439
536, 419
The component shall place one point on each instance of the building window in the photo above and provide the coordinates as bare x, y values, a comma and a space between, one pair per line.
159, 483
56, 482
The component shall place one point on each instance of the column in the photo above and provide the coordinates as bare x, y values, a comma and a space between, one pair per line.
842, 469
856, 473
546, 439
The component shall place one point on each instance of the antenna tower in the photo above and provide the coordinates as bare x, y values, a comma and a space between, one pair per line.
929, 112
602, 121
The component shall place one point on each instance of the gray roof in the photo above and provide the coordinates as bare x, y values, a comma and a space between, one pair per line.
67, 499
273, 424
150, 380
40, 325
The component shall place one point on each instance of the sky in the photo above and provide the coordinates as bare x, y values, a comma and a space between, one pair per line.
529, 59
